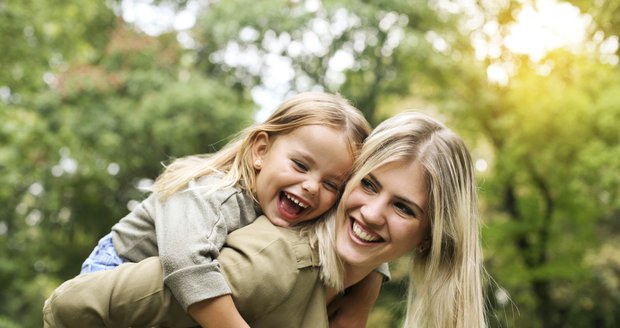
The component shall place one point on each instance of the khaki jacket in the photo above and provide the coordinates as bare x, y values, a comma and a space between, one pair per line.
272, 271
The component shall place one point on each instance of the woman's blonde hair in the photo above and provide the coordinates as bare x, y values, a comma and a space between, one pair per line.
234, 161
445, 281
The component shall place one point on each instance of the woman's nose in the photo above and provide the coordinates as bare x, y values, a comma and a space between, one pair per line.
373, 212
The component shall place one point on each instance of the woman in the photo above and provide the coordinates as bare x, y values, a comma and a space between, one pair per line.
413, 188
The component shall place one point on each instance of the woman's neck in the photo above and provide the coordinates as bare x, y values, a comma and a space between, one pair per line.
353, 274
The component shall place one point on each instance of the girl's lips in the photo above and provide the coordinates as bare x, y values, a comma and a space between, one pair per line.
290, 207
298, 201
362, 234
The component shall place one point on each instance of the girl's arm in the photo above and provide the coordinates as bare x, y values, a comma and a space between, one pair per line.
217, 312
191, 230
273, 273
352, 308
130, 295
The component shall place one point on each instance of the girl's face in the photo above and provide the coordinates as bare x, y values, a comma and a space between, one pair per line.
384, 215
301, 174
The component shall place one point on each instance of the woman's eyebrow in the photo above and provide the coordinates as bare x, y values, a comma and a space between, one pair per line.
400, 198
417, 207
375, 181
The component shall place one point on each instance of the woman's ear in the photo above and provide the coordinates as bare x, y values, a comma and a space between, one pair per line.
260, 147
424, 245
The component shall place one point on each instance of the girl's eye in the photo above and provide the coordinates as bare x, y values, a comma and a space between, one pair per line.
300, 166
404, 209
331, 186
368, 185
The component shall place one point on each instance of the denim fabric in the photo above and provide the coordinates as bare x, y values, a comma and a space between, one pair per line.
103, 257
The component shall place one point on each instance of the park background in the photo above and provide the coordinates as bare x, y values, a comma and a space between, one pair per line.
96, 95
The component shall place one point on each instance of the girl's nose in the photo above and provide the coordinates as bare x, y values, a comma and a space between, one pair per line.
311, 186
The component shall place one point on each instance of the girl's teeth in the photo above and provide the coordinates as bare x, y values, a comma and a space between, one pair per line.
295, 200
362, 234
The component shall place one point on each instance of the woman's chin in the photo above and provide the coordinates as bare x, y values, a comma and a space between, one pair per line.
351, 255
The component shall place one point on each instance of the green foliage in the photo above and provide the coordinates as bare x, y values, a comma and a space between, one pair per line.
384, 39
77, 142
546, 200
606, 13
72, 156
39, 36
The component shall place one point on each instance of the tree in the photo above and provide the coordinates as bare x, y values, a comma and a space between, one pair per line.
545, 199
365, 50
548, 133
547, 209
75, 155
41, 38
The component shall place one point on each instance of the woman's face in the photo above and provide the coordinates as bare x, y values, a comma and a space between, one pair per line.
385, 215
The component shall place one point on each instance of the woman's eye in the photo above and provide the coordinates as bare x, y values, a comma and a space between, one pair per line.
368, 185
300, 166
404, 209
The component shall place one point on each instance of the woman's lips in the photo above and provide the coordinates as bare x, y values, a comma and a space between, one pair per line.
362, 234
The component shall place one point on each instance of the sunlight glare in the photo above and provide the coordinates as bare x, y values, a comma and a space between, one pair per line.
482, 165
550, 25
156, 18
498, 73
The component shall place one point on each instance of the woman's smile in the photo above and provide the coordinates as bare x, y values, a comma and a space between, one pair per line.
364, 235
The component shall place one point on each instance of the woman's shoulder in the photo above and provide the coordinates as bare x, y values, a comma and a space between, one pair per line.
262, 238
265, 264
269, 253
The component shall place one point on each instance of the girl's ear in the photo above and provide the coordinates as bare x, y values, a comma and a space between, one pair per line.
260, 147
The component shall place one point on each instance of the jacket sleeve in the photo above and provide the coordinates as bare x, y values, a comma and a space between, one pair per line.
274, 275
261, 269
131, 295
191, 230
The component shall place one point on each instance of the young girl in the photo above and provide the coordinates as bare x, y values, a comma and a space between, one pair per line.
290, 168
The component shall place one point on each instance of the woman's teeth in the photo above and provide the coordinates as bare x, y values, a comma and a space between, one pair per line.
362, 234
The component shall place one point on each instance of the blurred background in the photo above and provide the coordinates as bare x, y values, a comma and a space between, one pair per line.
95, 95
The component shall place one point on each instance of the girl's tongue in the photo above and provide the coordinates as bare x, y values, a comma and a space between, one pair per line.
288, 206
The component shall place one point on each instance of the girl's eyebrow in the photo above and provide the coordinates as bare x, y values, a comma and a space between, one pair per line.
339, 179
309, 158
305, 155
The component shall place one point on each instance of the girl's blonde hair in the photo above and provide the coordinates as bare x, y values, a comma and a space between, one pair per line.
234, 161
445, 281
